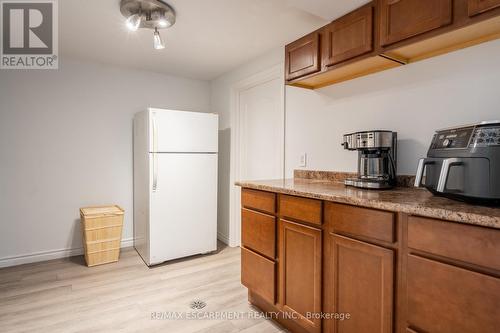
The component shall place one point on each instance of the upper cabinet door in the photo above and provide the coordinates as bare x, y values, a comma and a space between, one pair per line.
480, 6
401, 19
302, 57
349, 37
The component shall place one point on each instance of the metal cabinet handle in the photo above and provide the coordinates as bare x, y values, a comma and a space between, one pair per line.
445, 171
422, 163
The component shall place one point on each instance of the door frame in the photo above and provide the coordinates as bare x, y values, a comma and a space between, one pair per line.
237, 144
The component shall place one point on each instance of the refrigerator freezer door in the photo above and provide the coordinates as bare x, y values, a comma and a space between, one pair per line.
183, 132
184, 206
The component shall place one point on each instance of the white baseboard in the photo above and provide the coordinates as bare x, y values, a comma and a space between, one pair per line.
223, 238
50, 255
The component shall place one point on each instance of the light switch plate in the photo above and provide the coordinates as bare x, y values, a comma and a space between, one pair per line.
303, 160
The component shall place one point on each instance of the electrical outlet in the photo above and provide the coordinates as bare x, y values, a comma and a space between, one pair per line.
303, 160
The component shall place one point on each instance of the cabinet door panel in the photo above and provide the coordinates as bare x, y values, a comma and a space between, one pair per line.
446, 299
359, 281
350, 36
302, 57
300, 273
481, 6
401, 19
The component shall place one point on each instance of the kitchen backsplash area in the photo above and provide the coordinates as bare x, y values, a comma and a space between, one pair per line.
412, 100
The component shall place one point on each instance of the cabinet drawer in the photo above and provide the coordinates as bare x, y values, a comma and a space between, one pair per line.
470, 244
480, 6
446, 299
259, 200
302, 209
363, 222
258, 274
258, 232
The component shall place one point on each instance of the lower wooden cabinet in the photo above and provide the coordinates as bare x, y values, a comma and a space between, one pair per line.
258, 232
300, 273
359, 283
443, 298
258, 274
338, 268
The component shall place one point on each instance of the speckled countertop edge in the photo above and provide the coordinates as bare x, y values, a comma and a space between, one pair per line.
433, 207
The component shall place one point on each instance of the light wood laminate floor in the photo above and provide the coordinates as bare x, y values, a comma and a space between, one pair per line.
66, 296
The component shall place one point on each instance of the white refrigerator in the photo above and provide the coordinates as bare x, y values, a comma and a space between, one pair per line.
175, 184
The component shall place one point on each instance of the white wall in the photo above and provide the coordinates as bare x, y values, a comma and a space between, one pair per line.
66, 142
414, 100
221, 103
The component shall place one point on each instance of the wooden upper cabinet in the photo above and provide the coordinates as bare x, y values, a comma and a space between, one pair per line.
481, 6
349, 36
302, 57
401, 19
300, 273
359, 280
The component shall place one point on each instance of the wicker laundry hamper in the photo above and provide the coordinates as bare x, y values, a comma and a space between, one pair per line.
102, 233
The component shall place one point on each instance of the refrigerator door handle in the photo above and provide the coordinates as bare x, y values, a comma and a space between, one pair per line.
155, 172
155, 156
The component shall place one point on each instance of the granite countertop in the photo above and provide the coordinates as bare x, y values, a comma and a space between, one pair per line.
408, 200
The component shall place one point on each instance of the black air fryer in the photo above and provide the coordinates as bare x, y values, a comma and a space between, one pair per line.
464, 163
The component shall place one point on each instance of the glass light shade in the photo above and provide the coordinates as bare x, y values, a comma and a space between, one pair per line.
133, 22
158, 41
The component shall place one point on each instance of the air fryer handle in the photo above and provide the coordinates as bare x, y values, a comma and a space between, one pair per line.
422, 163
445, 171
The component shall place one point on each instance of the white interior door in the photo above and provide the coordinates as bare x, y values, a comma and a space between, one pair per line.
259, 139
261, 131
183, 206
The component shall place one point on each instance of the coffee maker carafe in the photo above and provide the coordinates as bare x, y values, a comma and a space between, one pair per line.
376, 158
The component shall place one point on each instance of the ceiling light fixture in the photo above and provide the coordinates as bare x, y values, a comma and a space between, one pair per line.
148, 14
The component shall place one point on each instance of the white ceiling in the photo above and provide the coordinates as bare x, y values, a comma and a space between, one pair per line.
210, 37
328, 9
